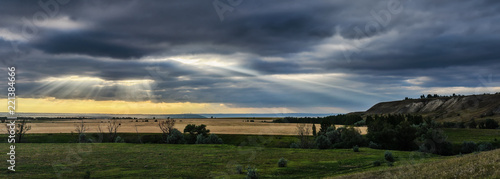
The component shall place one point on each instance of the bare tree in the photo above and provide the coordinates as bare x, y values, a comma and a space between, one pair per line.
138, 136
81, 128
303, 135
113, 126
166, 127
100, 133
20, 130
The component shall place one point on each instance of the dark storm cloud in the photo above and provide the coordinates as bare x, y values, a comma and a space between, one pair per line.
421, 43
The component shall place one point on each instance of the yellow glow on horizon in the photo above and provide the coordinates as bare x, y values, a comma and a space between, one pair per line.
52, 105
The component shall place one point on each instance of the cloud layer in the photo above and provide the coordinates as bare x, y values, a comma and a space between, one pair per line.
295, 54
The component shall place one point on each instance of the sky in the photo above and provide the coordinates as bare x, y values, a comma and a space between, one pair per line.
244, 56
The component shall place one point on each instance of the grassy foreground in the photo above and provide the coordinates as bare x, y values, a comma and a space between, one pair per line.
476, 165
117, 160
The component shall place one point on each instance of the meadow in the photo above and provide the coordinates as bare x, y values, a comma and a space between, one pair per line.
117, 160
59, 155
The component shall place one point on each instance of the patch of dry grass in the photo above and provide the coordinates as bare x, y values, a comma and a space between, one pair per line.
217, 126
476, 165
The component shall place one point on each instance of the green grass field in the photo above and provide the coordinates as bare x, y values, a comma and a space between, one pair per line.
58, 155
477, 135
116, 160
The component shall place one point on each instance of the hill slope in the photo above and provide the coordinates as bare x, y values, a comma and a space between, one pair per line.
460, 108
482, 165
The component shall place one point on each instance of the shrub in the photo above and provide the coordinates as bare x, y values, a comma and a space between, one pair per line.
213, 139
282, 162
239, 169
323, 143
485, 146
294, 146
374, 145
355, 148
200, 139
469, 147
252, 173
82, 138
388, 156
119, 140
175, 137
490, 124
376, 163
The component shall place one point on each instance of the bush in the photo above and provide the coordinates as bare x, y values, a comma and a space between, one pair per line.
211, 139
200, 139
175, 137
388, 156
282, 162
323, 143
485, 146
490, 124
376, 163
355, 148
82, 138
469, 147
294, 146
239, 169
252, 173
119, 140
374, 145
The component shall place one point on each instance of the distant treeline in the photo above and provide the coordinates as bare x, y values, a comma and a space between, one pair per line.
430, 96
340, 119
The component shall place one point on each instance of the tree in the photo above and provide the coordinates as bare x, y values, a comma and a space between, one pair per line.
166, 127
303, 135
490, 124
80, 129
20, 131
194, 130
112, 127
314, 129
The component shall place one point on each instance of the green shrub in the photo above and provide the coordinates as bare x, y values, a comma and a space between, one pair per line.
485, 146
468, 147
82, 138
252, 173
490, 124
323, 143
213, 139
374, 145
355, 148
376, 163
200, 139
175, 137
388, 156
119, 140
282, 162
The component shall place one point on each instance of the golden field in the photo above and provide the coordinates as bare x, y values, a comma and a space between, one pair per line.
217, 126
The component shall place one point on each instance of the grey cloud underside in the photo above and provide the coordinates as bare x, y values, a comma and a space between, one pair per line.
451, 43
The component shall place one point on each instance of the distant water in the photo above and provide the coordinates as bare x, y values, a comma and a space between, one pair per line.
160, 116
269, 115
